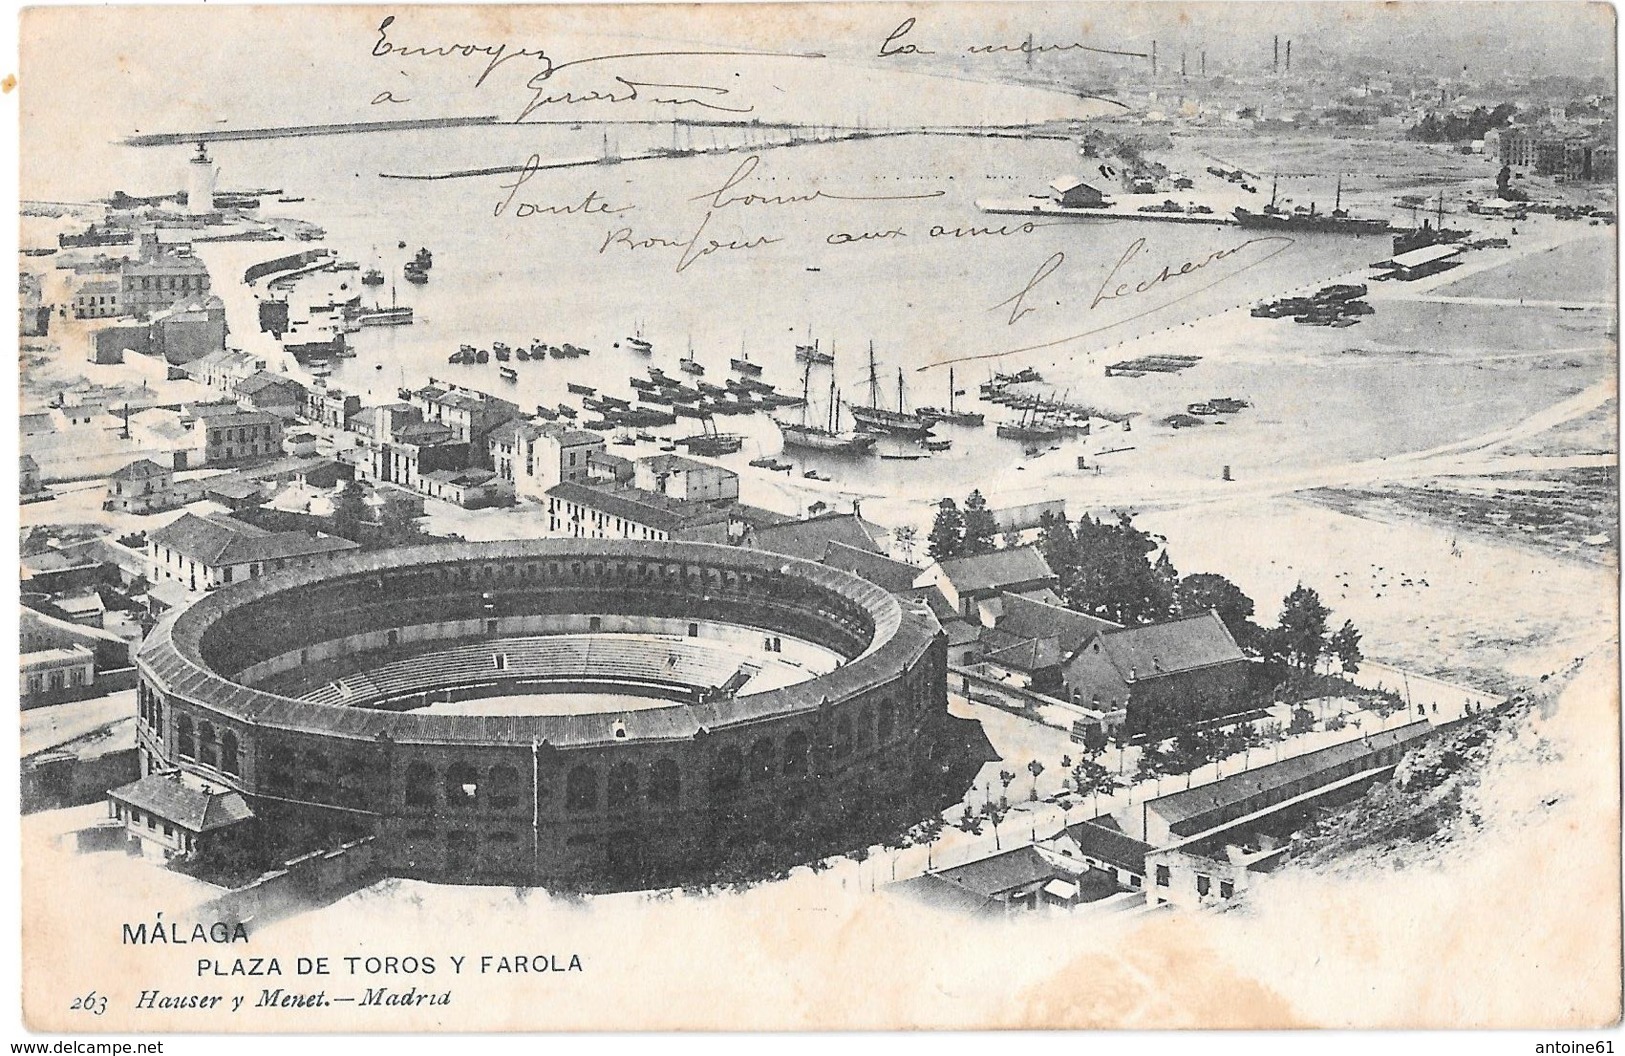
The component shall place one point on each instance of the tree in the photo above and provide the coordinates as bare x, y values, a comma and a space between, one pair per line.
907, 538
1152, 766
947, 538
1105, 569
1303, 628
1192, 750
1204, 591
349, 511
1035, 768
1094, 779
1345, 645
1005, 777
979, 526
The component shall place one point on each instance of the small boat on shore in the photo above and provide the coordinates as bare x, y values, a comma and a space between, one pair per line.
581, 390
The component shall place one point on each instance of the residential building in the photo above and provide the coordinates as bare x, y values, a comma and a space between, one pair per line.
810, 538
221, 370
1166, 677
200, 553
188, 329
143, 486
97, 300
605, 468
55, 674
470, 414
1099, 844
239, 436
532, 455
330, 407
1517, 147
398, 448
272, 393
471, 489
686, 478
172, 814
973, 585
150, 285
605, 512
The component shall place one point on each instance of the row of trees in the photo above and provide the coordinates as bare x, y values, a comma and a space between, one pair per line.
962, 532
1461, 128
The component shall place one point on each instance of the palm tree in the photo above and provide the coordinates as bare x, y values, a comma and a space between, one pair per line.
906, 537
1005, 777
1035, 768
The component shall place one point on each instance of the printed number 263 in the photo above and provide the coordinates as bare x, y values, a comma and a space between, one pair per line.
92, 1002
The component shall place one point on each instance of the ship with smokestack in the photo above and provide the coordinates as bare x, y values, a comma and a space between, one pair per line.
1308, 219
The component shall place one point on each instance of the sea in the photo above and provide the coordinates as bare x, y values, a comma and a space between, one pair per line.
874, 247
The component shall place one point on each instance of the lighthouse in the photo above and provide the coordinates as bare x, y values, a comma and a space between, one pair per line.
200, 183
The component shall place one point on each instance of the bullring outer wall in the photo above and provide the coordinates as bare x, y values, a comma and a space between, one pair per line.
555, 798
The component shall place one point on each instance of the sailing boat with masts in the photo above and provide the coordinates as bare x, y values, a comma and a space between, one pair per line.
811, 353
827, 437
880, 419
1035, 424
951, 415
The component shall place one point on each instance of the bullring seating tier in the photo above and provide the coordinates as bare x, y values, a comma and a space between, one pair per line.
190, 654
657, 662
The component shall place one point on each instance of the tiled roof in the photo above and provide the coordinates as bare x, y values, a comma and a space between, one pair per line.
1110, 846
1035, 619
932, 890
1002, 872
650, 508
265, 380
193, 809
666, 463
216, 541
1204, 799
1001, 568
960, 632
810, 539
140, 469
882, 571
1168, 648
462, 477
168, 264
1033, 654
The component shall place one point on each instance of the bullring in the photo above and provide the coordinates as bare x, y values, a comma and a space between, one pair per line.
410, 695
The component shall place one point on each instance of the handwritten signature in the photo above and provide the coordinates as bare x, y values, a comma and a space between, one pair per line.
1168, 272
1017, 304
